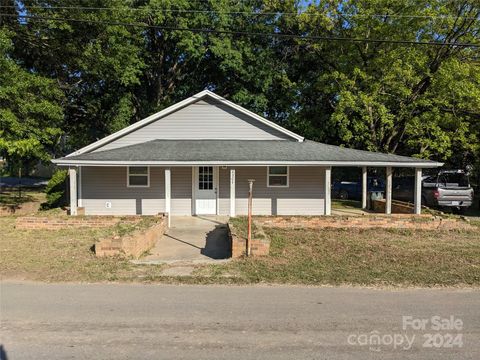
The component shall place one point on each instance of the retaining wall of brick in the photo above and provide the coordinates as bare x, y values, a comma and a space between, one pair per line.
396, 221
260, 243
134, 244
62, 222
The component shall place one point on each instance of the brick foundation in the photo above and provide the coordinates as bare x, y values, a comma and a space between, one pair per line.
134, 244
396, 221
260, 243
62, 222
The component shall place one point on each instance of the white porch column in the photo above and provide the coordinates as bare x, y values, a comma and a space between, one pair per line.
418, 191
232, 192
72, 173
388, 191
168, 194
80, 195
364, 187
328, 196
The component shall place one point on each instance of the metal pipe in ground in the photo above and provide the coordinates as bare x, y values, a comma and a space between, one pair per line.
249, 232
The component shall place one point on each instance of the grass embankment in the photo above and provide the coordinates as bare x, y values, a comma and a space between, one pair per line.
65, 255
363, 257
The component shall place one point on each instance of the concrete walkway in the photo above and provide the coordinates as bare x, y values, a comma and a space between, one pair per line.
192, 239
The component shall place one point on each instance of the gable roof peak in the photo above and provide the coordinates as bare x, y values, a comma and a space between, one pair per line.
177, 106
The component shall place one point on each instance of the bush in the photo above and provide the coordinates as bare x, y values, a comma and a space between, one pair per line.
56, 190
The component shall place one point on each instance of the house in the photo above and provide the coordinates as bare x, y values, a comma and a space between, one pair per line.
196, 157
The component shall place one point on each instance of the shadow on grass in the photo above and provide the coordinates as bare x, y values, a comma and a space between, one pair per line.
346, 204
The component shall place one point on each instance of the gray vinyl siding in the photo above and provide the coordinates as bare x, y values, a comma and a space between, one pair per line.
205, 119
109, 184
181, 190
304, 196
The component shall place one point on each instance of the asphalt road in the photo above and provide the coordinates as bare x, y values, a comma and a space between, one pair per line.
109, 321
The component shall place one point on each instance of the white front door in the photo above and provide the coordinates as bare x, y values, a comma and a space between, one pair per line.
205, 190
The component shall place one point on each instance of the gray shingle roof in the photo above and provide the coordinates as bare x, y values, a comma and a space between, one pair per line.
230, 151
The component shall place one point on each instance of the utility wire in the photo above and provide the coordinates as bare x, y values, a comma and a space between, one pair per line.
250, 13
245, 33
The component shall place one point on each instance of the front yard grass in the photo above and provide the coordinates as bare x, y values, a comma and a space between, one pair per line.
375, 257
346, 204
64, 255
364, 257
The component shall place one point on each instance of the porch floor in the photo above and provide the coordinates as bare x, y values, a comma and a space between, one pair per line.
193, 239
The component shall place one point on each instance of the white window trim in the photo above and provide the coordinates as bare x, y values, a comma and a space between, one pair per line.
138, 186
214, 178
278, 186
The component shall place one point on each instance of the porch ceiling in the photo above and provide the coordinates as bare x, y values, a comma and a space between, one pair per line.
241, 152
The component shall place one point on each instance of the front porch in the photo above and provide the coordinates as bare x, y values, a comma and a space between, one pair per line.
197, 190
212, 190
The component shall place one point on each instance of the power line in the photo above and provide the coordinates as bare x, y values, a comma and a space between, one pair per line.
247, 33
250, 13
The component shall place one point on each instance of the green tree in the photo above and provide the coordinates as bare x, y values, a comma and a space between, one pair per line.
419, 100
412, 99
30, 110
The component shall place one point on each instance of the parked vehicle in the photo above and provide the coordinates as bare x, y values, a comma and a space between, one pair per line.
447, 188
352, 190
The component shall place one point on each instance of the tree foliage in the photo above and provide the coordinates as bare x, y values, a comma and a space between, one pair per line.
31, 113
92, 76
56, 190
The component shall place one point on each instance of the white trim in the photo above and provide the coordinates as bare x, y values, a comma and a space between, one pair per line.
216, 176
388, 190
168, 193
138, 175
328, 190
80, 196
232, 192
287, 175
193, 190
364, 187
72, 173
67, 162
175, 107
417, 201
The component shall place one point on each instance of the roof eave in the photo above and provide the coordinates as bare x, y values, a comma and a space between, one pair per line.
73, 162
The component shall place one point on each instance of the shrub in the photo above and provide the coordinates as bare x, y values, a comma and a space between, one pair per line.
56, 190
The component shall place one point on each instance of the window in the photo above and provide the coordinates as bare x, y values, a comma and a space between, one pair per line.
138, 176
453, 180
277, 176
205, 178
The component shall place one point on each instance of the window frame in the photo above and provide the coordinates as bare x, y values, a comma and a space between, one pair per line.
203, 181
138, 175
287, 175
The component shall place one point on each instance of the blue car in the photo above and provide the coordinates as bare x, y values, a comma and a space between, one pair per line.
352, 190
